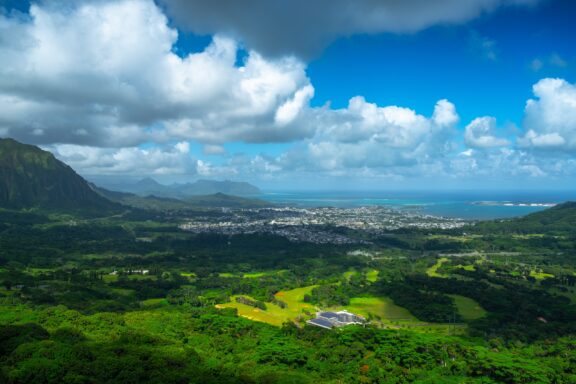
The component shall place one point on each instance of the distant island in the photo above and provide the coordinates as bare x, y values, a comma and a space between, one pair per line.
512, 204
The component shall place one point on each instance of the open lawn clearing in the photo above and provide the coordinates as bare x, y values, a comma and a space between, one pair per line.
348, 274
468, 308
433, 270
110, 278
390, 315
273, 314
381, 307
459, 239
295, 297
142, 277
372, 275
539, 275
154, 302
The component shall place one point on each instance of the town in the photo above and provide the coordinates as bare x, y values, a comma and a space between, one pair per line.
316, 225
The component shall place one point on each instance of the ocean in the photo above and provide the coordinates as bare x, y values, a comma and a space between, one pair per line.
471, 205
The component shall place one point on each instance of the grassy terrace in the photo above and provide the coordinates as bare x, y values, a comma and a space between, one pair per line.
433, 270
371, 275
275, 315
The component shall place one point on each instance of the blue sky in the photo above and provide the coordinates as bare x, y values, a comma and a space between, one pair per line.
449, 62
296, 94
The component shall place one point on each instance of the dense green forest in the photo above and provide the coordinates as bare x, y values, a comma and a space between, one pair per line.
130, 298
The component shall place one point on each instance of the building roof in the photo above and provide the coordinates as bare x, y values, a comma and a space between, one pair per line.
321, 322
328, 315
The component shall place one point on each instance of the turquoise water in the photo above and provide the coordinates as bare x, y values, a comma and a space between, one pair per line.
461, 204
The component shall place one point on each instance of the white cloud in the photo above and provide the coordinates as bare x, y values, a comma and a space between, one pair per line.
480, 134
548, 140
367, 135
96, 80
445, 114
550, 118
103, 73
167, 160
288, 111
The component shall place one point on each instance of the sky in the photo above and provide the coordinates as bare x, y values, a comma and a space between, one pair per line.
299, 94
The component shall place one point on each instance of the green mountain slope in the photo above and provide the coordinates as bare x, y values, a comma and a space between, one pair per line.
558, 219
33, 178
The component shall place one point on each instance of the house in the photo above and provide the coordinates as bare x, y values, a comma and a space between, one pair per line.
338, 319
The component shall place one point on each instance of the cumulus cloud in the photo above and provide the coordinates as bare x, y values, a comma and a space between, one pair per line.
480, 134
167, 160
550, 118
97, 81
104, 74
367, 135
503, 163
304, 27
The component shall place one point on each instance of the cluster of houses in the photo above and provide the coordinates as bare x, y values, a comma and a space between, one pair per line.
131, 272
338, 319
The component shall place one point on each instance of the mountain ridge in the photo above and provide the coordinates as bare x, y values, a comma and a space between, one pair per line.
149, 186
31, 177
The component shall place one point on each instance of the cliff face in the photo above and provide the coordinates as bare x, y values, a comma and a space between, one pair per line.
31, 177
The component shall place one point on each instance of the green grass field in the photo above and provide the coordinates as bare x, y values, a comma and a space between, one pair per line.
110, 278
433, 270
539, 275
372, 275
154, 302
348, 274
295, 297
380, 307
468, 308
275, 315
385, 313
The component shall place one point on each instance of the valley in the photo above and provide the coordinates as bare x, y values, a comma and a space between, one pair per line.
158, 289
224, 294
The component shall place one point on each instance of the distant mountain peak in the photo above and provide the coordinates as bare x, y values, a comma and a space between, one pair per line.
148, 182
228, 187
